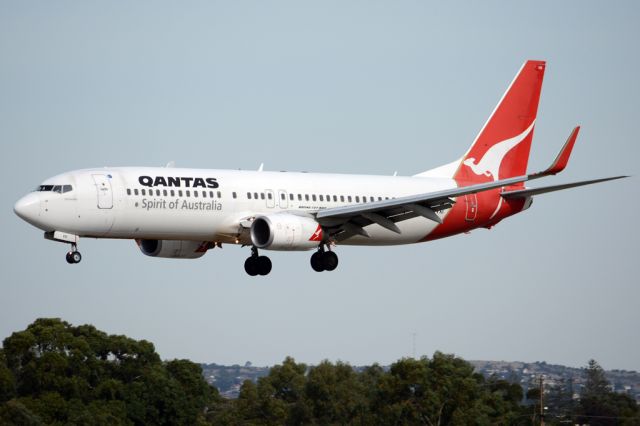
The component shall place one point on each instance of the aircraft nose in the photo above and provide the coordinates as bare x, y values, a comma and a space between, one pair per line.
28, 207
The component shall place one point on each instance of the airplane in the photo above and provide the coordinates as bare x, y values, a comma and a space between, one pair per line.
182, 213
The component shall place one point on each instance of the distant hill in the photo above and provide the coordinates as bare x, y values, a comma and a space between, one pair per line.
228, 379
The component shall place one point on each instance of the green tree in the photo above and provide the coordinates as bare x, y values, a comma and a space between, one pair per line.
599, 406
54, 372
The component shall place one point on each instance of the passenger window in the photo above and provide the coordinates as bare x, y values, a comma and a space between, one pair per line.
379, 198
349, 198
234, 194
210, 194
290, 197
321, 197
299, 197
128, 191
204, 194
386, 198
135, 191
67, 188
164, 192
342, 198
219, 194
357, 199
195, 194
364, 199
179, 192
248, 195
255, 195
313, 197
158, 192
328, 197
173, 193
372, 199
306, 197
144, 192
335, 198
262, 195
269, 195
282, 196
187, 193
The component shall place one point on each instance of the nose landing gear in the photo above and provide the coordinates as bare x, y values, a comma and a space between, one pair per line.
257, 265
74, 255
324, 260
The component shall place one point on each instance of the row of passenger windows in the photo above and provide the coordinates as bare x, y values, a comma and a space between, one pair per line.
315, 197
173, 193
255, 195
60, 189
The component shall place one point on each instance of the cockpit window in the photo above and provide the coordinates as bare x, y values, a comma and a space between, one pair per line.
60, 189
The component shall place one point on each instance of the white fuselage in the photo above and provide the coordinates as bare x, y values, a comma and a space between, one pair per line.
163, 203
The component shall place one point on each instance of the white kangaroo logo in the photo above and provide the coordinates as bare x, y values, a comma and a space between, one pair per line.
490, 163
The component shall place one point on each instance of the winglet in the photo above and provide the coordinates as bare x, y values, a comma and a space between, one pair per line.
562, 159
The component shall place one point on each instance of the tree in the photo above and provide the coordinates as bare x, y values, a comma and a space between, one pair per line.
599, 406
54, 372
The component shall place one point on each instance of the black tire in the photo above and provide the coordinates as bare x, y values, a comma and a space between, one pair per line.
76, 256
329, 260
69, 258
264, 265
251, 266
316, 262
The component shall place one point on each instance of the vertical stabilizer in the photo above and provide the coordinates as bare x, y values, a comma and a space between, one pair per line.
501, 149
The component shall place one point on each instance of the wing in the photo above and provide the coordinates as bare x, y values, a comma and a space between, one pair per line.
344, 222
351, 220
528, 192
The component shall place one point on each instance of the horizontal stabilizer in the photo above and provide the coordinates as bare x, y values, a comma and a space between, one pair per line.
523, 193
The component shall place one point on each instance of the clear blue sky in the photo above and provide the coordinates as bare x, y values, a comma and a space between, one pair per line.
356, 87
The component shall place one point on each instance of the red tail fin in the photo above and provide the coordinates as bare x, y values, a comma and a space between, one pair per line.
501, 149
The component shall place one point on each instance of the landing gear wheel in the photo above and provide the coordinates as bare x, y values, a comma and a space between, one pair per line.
73, 257
251, 266
264, 265
316, 261
329, 260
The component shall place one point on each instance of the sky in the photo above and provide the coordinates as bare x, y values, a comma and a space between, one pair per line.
356, 87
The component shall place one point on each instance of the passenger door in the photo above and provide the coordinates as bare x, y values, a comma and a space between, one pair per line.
471, 202
104, 191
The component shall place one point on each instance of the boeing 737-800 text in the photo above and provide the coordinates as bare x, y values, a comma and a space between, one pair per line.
182, 213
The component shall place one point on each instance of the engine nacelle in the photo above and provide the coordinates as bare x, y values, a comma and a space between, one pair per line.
174, 249
283, 231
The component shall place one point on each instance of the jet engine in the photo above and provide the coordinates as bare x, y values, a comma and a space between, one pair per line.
284, 231
175, 249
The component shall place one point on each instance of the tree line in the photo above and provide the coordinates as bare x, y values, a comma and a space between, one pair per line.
59, 374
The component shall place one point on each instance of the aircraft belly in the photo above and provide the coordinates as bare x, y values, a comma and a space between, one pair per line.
412, 231
165, 224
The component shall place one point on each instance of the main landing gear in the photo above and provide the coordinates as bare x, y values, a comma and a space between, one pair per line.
324, 260
257, 265
74, 255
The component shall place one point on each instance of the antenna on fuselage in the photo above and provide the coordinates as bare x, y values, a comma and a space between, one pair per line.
171, 164
261, 167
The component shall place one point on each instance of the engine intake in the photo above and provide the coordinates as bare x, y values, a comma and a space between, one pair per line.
284, 231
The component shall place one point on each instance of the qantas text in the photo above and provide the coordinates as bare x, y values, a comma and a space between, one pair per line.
178, 182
